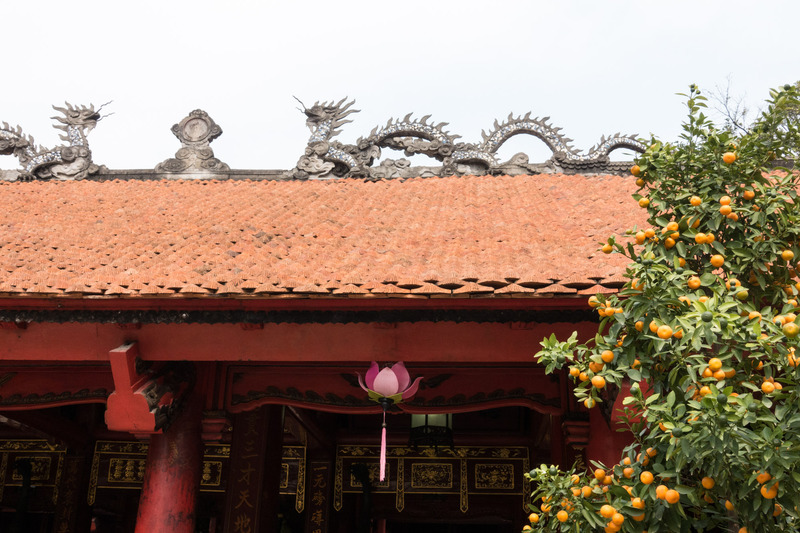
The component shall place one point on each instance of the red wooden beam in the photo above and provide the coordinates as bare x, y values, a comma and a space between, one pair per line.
41, 384
446, 342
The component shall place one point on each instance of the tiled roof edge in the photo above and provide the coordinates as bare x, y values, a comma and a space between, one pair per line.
279, 175
26, 316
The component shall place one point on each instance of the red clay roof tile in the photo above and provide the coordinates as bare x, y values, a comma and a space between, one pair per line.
193, 289
430, 288
514, 288
350, 289
310, 288
230, 239
473, 288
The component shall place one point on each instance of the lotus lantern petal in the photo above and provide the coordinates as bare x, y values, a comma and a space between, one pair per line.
387, 386
391, 382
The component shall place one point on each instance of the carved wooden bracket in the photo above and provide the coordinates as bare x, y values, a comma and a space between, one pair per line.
145, 399
128, 408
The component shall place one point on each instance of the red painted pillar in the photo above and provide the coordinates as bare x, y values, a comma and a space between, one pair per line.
605, 443
172, 478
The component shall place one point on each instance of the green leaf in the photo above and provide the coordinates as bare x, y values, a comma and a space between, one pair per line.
634, 374
708, 279
671, 399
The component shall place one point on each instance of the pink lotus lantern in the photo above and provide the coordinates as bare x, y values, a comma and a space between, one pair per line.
388, 386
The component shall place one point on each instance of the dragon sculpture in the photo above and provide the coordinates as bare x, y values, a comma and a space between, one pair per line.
66, 162
325, 158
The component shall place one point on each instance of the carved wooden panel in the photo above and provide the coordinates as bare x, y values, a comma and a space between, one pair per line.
461, 471
46, 462
122, 464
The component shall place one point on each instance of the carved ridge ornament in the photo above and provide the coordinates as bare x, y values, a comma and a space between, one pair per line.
65, 162
195, 132
325, 158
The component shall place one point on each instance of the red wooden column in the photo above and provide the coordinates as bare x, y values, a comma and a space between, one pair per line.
172, 478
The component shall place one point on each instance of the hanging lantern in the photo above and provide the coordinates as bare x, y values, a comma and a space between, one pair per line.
432, 430
390, 385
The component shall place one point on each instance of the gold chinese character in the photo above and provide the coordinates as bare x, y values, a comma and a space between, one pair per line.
244, 499
245, 474
241, 524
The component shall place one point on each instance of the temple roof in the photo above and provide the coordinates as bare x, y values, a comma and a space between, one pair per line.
461, 237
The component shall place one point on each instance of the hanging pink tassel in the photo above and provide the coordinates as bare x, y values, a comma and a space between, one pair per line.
383, 449
387, 387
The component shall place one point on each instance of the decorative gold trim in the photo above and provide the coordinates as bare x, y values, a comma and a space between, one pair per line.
374, 477
90, 497
431, 476
337, 484
498, 476
526, 484
64, 516
45, 471
31, 445
464, 487
127, 447
471, 452
212, 474
59, 468
400, 499
293, 452
3, 466
40, 469
135, 453
284, 483
125, 470
217, 450
300, 494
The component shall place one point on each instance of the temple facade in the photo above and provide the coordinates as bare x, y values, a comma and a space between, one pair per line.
181, 347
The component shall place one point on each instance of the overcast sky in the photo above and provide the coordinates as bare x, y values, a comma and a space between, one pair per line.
594, 67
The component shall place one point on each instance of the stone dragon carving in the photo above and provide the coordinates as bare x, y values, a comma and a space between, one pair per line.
66, 162
325, 158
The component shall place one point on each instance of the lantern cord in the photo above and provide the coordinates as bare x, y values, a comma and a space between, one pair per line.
383, 449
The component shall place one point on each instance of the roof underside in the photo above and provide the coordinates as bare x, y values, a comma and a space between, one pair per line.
521, 236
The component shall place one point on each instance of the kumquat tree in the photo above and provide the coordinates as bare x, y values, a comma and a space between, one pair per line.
706, 332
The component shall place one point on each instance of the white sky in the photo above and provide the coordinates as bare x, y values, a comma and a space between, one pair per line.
594, 67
